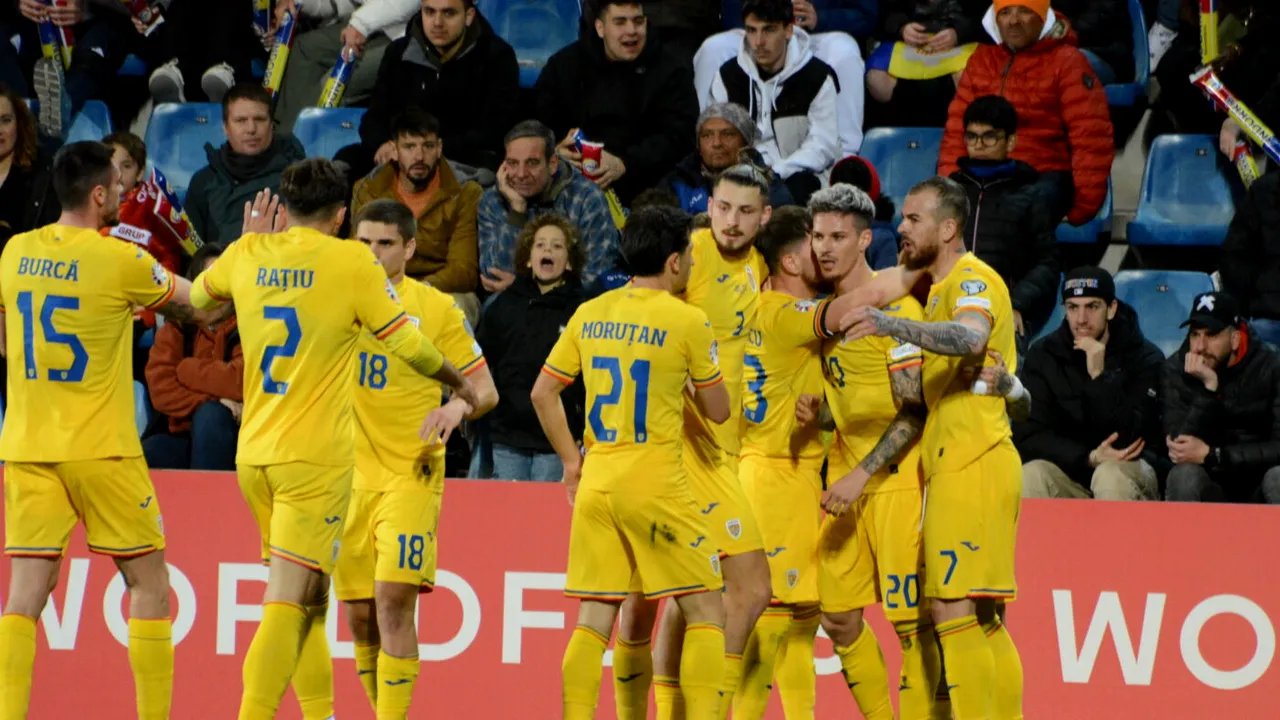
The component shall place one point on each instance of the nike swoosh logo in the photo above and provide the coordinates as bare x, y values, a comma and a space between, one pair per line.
402, 681
145, 503
630, 677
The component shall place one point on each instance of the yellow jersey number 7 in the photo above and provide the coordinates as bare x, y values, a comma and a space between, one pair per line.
289, 316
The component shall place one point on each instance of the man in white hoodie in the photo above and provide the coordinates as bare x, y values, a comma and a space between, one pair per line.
790, 94
365, 27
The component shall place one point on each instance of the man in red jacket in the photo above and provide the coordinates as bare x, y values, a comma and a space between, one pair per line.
1064, 128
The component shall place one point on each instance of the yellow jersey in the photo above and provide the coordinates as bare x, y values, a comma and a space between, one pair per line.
391, 398
962, 426
69, 295
637, 348
783, 361
860, 396
727, 290
301, 298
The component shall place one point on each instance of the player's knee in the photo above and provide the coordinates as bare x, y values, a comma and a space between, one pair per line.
395, 604
361, 620
637, 618
147, 578
843, 627
703, 607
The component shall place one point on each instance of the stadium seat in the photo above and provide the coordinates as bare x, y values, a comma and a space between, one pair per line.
1185, 197
93, 122
1055, 317
134, 66
1162, 299
176, 138
536, 29
141, 407
903, 157
1088, 232
325, 131
1131, 93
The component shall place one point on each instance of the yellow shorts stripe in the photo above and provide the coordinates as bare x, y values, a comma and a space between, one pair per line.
686, 590
952, 631
34, 551
293, 557
123, 552
601, 596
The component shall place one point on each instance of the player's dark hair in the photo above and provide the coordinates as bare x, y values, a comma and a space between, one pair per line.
207, 252
660, 196
788, 226
651, 236
745, 175
132, 144
992, 110
844, 199
532, 129
313, 188
524, 244
414, 122
953, 202
388, 212
769, 11
78, 168
245, 91
602, 5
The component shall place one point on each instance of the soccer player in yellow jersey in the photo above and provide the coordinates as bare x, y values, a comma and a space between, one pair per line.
388, 553
973, 472
302, 298
781, 466
636, 527
69, 442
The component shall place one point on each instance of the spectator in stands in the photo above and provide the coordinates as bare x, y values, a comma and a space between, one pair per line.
790, 93
146, 218
1094, 427
444, 247
680, 26
1009, 226
27, 200
1065, 127
201, 44
531, 182
835, 48
363, 29
1222, 409
621, 90
195, 375
250, 160
726, 136
850, 17
1105, 35
1164, 30
517, 332
1251, 257
883, 251
912, 74
453, 65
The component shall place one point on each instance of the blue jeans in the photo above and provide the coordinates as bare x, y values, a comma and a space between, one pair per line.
1106, 74
515, 464
211, 444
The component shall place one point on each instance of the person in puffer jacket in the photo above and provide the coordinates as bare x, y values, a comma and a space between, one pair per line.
1065, 128
726, 136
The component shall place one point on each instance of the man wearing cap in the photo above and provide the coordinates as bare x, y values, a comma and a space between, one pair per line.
1094, 428
726, 136
1064, 126
1222, 409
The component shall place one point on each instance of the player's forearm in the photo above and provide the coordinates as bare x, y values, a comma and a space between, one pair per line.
555, 425
1017, 399
888, 285
486, 393
902, 431
406, 343
943, 338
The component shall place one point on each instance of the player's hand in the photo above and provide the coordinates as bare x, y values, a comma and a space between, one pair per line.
34, 10
353, 39
514, 199
495, 280
808, 408
385, 154
264, 214
941, 41
1095, 354
863, 322
996, 379
1187, 449
1107, 452
441, 422
611, 168
1198, 367
236, 408
915, 35
572, 476
1227, 136
845, 492
466, 392
67, 12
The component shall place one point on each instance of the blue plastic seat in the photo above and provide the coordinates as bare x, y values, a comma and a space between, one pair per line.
1131, 93
134, 66
141, 407
902, 157
176, 138
536, 29
1186, 198
1088, 232
1055, 317
1162, 299
325, 131
93, 122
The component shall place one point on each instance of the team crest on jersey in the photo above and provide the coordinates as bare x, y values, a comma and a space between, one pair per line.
793, 577
715, 352
159, 274
973, 287
751, 279
715, 564
805, 306
734, 527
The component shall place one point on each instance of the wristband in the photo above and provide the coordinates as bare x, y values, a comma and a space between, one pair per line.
1017, 392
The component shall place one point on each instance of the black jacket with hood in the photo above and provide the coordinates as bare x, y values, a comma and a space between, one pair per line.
1242, 418
517, 331
474, 93
217, 194
693, 186
1071, 413
1010, 230
643, 111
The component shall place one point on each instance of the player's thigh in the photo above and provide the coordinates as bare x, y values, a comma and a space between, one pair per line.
1002, 468
955, 533
731, 526
38, 513
899, 557
786, 502
118, 502
353, 574
308, 506
667, 538
847, 578
404, 533
600, 566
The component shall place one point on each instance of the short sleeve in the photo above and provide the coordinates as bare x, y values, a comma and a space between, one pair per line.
704, 355
457, 342
564, 363
213, 286
144, 280
971, 294
795, 324
377, 304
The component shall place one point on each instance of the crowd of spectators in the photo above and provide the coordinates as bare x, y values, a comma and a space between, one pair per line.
519, 193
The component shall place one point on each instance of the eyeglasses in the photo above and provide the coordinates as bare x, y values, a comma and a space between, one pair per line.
986, 139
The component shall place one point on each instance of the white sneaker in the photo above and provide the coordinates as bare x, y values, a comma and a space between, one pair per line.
216, 81
166, 83
1159, 40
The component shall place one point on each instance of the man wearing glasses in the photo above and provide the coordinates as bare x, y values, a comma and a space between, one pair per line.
1010, 225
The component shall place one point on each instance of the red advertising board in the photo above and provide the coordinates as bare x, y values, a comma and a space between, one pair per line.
1127, 611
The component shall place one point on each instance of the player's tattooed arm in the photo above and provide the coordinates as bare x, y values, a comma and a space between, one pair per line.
908, 394
966, 335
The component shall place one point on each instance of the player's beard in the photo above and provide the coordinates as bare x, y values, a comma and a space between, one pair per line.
922, 257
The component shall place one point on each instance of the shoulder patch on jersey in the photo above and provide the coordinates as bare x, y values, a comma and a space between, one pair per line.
973, 287
805, 306
972, 301
715, 352
159, 274
905, 350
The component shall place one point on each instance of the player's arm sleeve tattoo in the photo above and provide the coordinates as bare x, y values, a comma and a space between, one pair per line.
908, 391
954, 337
